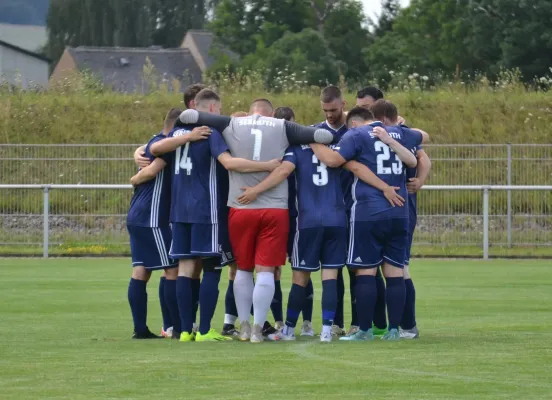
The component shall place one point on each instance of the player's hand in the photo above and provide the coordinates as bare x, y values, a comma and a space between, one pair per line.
382, 135
200, 133
273, 164
140, 159
401, 121
413, 185
248, 196
390, 193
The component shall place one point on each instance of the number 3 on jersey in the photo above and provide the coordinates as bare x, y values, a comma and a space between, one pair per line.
183, 162
321, 177
385, 155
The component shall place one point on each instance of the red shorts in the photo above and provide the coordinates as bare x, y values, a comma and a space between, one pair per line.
258, 236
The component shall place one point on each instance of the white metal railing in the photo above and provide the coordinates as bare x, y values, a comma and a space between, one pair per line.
484, 188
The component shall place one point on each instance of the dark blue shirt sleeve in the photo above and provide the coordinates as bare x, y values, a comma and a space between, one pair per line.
153, 140
217, 144
290, 156
347, 147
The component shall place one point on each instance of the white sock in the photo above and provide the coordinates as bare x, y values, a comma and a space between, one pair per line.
230, 319
288, 331
243, 294
262, 296
326, 329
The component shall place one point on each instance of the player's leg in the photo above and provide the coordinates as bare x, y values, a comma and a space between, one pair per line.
196, 282
409, 329
171, 275
145, 255
181, 249
304, 260
365, 252
352, 285
243, 226
166, 329
334, 254
339, 322
230, 311
394, 256
270, 252
380, 313
306, 328
277, 306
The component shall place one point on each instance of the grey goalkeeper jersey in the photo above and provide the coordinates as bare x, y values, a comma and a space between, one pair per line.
256, 138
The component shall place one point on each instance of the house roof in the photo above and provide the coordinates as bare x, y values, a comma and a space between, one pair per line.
204, 42
122, 68
24, 51
28, 37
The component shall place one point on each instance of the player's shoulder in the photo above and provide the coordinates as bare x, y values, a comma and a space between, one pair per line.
156, 138
181, 130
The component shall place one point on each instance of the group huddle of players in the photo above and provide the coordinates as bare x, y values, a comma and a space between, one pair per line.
256, 189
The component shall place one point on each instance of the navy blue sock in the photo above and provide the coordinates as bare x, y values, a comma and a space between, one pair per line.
276, 306
395, 296
172, 304
408, 320
185, 303
138, 300
195, 297
165, 313
230, 301
366, 300
329, 301
295, 304
380, 316
309, 300
339, 318
208, 297
352, 287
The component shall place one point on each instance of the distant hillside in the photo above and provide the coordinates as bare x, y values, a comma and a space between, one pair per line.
24, 12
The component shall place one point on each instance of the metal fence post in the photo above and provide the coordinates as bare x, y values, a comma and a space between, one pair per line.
509, 194
46, 222
486, 223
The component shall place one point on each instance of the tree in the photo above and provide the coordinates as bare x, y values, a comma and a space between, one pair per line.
305, 55
389, 11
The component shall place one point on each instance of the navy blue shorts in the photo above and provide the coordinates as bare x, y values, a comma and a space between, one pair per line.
194, 240
373, 242
291, 235
225, 248
411, 227
150, 247
313, 247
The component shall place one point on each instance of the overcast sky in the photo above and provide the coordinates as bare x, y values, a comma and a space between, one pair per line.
373, 7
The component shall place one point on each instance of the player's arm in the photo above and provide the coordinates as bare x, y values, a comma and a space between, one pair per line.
277, 176
219, 122
402, 152
425, 136
328, 156
243, 165
365, 174
422, 172
172, 143
300, 134
149, 172
140, 158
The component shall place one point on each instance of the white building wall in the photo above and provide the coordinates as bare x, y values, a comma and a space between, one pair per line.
21, 69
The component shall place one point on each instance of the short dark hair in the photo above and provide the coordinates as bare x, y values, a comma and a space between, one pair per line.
207, 95
383, 108
172, 115
191, 92
330, 93
371, 91
284, 113
262, 100
359, 113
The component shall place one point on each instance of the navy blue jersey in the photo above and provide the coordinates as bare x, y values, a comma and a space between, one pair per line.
369, 203
411, 173
292, 195
347, 177
196, 193
319, 195
151, 201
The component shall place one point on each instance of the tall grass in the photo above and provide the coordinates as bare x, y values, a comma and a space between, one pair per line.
80, 110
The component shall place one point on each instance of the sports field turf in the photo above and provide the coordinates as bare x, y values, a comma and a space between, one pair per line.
65, 326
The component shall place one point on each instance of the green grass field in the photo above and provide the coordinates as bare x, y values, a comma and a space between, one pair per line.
65, 326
